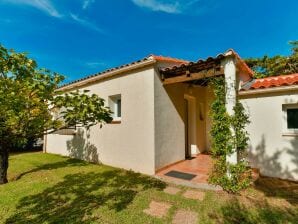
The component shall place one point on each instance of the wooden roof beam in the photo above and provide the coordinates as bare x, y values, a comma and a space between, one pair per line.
194, 76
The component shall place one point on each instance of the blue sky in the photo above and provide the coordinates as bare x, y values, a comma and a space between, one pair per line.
81, 37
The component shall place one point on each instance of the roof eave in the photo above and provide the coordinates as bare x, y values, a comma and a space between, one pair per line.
240, 62
268, 90
107, 75
241, 65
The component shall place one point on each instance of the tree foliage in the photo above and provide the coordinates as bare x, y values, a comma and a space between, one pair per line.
29, 102
278, 65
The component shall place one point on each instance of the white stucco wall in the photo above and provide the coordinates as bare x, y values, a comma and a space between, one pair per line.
128, 145
270, 150
169, 124
203, 97
169, 113
209, 93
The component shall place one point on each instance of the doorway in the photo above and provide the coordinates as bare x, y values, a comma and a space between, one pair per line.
190, 126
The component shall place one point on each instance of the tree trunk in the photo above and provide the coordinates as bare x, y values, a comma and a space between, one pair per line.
3, 164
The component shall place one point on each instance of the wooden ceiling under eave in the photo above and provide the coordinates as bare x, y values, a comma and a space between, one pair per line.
192, 71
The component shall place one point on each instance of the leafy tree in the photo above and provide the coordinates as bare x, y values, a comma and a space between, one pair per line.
277, 65
29, 102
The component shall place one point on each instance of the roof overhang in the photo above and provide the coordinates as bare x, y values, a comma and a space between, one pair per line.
108, 74
280, 89
202, 69
118, 71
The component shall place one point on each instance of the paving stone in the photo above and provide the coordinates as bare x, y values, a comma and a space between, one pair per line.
157, 209
171, 190
198, 195
185, 217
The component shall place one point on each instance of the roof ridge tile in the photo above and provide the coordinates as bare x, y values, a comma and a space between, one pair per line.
167, 58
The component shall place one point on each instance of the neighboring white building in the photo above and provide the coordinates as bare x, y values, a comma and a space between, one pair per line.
161, 116
272, 104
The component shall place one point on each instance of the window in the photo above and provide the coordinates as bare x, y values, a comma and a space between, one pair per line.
290, 118
118, 106
115, 106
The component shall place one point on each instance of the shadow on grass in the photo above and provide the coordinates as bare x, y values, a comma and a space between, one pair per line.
51, 166
233, 212
274, 166
79, 196
274, 187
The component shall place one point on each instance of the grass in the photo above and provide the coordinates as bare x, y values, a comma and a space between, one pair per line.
47, 188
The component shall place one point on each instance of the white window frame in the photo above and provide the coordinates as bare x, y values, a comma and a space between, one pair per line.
114, 106
286, 130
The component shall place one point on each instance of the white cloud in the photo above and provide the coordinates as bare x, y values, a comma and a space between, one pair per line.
43, 5
86, 23
87, 3
167, 6
157, 5
47, 7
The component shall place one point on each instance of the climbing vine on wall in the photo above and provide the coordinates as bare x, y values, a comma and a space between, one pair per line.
228, 134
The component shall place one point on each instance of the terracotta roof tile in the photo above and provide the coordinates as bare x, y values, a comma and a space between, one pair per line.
185, 64
150, 57
105, 71
275, 81
207, 62
168, 59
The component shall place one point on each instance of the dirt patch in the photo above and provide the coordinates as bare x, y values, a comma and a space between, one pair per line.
275, 188
280, 202
197, 195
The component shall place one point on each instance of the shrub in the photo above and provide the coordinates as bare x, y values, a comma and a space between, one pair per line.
228, 135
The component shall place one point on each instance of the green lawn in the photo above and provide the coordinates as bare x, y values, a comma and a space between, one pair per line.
47, 188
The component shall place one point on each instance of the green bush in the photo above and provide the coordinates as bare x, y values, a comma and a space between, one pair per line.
238, 178
228, 134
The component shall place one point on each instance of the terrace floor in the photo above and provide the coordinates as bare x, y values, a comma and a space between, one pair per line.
199, 165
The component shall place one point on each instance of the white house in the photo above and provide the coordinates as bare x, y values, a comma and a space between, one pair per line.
161, 115
272, 104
